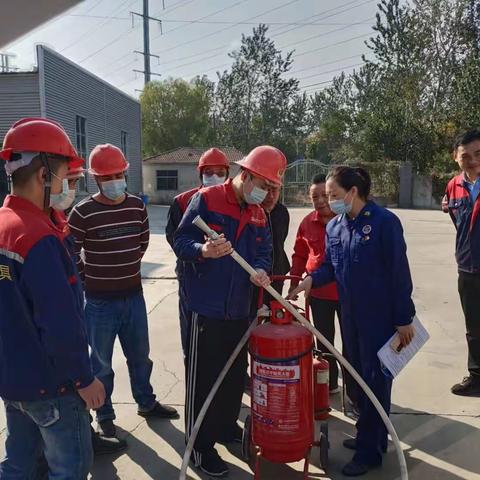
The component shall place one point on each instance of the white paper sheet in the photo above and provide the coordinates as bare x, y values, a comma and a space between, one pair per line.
392, 362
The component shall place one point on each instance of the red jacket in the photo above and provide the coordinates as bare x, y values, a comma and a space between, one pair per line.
309, 252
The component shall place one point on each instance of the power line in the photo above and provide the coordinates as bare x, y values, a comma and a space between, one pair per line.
118, 37
333, 14
296, 56
227, 28
122, 34
169, 31
177, 6
206, 16
332, 45
322, 34
231, 22
216, 49
331, 71
96, 27
327, 63
315, 84
274, 35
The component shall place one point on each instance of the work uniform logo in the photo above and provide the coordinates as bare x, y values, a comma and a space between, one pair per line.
366, 229
5, 273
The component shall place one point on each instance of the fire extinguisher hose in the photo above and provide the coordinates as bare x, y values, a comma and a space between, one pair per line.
288, 306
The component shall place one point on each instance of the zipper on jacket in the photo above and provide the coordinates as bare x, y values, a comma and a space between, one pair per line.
271, 234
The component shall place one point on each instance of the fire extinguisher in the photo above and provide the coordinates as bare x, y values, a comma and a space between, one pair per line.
282, 390
320, 386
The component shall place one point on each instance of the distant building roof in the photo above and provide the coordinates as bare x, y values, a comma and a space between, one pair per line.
190, 155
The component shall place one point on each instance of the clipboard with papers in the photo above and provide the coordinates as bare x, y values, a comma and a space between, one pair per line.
393, 362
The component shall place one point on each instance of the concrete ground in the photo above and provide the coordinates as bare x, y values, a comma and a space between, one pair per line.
439, 431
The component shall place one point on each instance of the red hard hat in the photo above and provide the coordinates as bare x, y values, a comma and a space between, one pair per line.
38, 135
213, 157
75, 170
107, 160
266, 162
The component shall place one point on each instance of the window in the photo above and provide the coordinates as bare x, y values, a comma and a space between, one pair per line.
81, 140
167, 179
123, 142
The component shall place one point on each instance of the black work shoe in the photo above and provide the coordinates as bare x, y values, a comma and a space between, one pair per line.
107, 428
159, 411
354, 469
350, 443
233, 436
469, 387
104, 446
212, 464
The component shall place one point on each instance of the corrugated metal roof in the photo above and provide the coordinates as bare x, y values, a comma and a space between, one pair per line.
190, 155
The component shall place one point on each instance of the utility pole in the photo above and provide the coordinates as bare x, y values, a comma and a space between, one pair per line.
146, 41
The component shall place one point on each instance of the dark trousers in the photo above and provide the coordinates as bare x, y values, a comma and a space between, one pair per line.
212, 341
183, 315
469, 290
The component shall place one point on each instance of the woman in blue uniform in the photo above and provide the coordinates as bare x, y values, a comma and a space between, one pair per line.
366, 256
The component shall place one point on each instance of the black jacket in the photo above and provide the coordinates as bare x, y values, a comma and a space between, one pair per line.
279, 221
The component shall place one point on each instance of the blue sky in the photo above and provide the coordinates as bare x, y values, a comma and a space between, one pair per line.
327, 37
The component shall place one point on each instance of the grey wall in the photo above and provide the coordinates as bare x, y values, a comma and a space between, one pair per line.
187, 179
70, 91
19, 97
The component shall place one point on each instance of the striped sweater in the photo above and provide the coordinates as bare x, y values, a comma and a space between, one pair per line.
114, 239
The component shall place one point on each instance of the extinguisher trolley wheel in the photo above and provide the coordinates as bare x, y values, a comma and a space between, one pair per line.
324, 445
247, 440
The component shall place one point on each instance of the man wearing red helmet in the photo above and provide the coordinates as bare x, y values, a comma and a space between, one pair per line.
213, 168
112, 229
219, 292
46, 378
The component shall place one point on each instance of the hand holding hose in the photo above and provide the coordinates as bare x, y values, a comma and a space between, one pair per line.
304, 286
261, 279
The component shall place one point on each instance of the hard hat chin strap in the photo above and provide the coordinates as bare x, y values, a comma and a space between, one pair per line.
48, 181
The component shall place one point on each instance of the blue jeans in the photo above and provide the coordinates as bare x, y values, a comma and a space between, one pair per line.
127, 318
59, 427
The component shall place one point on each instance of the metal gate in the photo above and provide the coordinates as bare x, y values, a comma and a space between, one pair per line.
298, 178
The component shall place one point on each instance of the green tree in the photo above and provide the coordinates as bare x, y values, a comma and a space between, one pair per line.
256, 102
176, 113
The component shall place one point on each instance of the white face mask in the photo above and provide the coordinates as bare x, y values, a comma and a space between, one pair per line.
114, 189
256, 196
67, 202
58, 199
211, 180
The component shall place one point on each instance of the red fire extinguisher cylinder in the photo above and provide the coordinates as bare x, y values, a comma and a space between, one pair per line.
282, 388
321, 388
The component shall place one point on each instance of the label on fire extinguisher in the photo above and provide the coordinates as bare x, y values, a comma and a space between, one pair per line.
276, 394
322, 377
